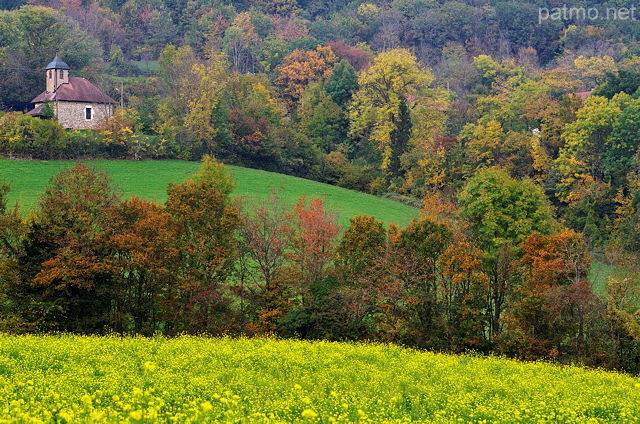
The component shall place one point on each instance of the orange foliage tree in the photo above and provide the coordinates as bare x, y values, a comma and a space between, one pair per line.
301, 68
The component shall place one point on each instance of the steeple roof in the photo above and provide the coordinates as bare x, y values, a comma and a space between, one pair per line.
57, 63
76, 90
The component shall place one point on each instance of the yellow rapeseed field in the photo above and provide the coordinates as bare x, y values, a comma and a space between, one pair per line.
77, 379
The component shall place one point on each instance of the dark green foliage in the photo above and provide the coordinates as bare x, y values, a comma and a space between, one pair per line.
625, 81
400, 139
622, 144
420, 245
11, 4
342, 83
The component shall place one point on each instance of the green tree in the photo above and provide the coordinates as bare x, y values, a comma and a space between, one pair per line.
419, 247
622, 145
586, 141
342, 83
321, 119
503, 211
625, 81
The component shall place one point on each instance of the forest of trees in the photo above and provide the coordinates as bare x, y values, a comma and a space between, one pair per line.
473, 277
468, 109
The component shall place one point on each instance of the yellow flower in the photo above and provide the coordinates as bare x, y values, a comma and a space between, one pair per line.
97, 415
149, 366
206, 406
308, 414
136, 415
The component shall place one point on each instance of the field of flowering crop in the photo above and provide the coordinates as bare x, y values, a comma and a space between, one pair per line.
191, 379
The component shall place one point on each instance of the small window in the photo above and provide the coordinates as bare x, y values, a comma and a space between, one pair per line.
88, 113
61, 73
50, 74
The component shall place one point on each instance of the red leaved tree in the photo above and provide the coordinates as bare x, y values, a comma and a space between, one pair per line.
265, 236
551, 315
145, 264
313, 243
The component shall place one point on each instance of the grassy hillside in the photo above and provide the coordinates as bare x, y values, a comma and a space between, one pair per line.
148, 180
191, 379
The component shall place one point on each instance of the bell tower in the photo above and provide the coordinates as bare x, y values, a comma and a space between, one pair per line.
57, 74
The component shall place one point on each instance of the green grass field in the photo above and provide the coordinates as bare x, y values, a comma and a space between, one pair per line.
148, 180
68, 379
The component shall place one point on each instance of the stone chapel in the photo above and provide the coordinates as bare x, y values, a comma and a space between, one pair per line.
76, 103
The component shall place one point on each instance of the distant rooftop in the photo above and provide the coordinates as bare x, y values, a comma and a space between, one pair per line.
584, 94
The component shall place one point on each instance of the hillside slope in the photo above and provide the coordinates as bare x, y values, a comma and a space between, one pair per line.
149, 179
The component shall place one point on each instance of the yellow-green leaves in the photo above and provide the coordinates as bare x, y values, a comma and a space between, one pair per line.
394, 77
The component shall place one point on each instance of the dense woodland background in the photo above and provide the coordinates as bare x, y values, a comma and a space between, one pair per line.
465, 108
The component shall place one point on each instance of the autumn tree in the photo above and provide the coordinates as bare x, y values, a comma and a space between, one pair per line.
312, 252
64, 263
23, 135
552, 311
464, 295
420, 246
501, 213
392, 94
359, 56
266, 234
249, 135
239, 42
206, 221
592, 70
145, 266
190, 116
361, 246
313, 245
301, 68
